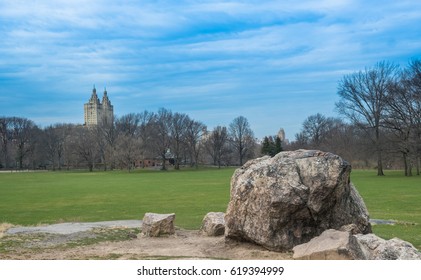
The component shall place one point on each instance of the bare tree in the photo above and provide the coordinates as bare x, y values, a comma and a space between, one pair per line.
146, 134
403, 115
242, 138
108, 136
363, 100
301, 142
51, 145
23, 135
128, 124
86, 146
317, 130
330, 134
216, 144
4, 139
64, 133
178, 131
127, 143
399, 120
194, 133
162, 134
413, 86
314, 130
54, 137
128, 151
69, 156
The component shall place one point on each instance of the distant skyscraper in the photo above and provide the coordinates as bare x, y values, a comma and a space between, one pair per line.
281, 135
97, 112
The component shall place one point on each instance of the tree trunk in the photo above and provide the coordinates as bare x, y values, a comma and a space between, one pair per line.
379, 163
20, 162
196, 160
59, 161
164, 167
405, 163
6, 165
409, 168
379, 154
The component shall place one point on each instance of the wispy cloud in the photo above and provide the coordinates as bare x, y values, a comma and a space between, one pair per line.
212, 59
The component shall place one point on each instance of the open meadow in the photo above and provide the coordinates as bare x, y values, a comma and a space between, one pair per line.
31, 198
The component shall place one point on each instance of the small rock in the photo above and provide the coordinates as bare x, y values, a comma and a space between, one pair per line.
155, 225
376, 248
330, 245
131, 236
213, 224
342, 245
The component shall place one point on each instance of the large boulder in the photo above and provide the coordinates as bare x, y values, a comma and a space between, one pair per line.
376, 248
330, 245
213, 224
287, 200
155, 225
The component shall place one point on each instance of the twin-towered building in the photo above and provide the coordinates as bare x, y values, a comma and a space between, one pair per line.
97, 112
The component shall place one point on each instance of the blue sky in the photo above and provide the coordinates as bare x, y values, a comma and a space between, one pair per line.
274, 62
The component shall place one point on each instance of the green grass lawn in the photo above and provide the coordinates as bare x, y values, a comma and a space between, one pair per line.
392, 197
50, 197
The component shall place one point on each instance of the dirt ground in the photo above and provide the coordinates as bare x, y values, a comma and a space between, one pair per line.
127, 244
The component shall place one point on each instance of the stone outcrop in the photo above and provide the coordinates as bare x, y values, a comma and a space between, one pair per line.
155, 225
342, 245
213, 224
330, 245
287, 200
376, 248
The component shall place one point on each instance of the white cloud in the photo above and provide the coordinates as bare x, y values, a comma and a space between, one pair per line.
201, 54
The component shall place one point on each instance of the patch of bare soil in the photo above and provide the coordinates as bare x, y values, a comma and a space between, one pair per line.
126, 244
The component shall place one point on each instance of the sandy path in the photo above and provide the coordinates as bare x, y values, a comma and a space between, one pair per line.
185, 244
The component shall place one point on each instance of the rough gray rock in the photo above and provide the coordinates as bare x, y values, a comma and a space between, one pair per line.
376, 248
287, 200
342, 245
351, 228
330, 245
155, 225
213, 224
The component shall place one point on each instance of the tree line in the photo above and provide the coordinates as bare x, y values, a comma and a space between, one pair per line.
132, 140
379, 125
381, 110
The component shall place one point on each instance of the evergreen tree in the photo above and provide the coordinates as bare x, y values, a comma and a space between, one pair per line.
265, 146
271, 147
278, 145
